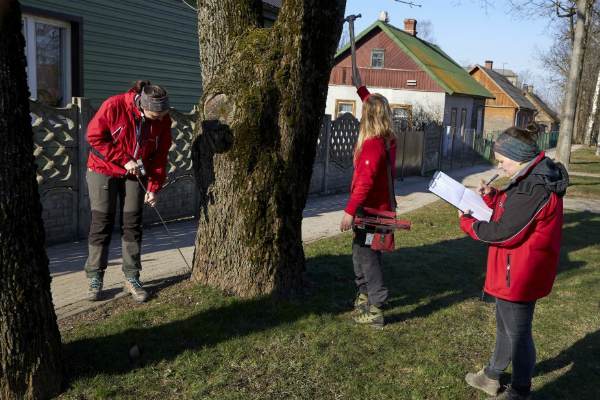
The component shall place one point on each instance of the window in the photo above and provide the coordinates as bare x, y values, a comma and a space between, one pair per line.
343, 107
377, 58
463, 121
453, 113
48, 52
402, 115
480, 120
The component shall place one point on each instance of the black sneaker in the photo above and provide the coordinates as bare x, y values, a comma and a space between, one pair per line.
511, 394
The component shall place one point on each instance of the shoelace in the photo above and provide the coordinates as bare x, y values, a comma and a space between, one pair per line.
95, 283
135, 283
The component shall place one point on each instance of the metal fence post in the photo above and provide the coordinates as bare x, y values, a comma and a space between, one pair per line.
85, 115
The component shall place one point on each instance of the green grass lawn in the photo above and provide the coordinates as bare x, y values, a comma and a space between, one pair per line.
584, 186
585, 160
199, 344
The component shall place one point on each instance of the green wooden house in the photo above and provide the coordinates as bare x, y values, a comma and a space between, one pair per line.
97, 48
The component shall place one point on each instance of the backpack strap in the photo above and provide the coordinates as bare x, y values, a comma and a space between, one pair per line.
391, 190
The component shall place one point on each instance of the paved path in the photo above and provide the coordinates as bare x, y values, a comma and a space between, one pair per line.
161, 260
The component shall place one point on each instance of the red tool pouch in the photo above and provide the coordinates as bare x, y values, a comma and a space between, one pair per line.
383, 241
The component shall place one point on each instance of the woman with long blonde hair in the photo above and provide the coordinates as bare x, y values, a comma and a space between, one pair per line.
374, 153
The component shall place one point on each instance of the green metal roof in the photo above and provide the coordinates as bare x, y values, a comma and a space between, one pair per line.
443, 69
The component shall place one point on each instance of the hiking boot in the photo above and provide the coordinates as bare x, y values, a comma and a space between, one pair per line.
372, 316
361, 303
511, 394
95, 288
481, 381
134, 286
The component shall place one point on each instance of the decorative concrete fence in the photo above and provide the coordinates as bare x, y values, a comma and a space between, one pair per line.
61, 151
417, 153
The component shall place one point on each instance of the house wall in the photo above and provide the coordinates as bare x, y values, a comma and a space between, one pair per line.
429, 102
136, 39
501, 98
398, 66
498, 119
459, 102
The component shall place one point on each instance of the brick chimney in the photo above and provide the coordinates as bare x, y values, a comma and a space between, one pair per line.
410, 26
530, 89
489, 64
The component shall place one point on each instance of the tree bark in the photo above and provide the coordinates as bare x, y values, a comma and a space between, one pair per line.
263, 98
565, 137
31, 365
594, 112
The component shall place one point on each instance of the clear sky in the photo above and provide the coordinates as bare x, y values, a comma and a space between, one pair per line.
469, 33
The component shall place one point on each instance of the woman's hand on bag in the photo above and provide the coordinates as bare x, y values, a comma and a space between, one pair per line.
151, 198
346, 223
132, 168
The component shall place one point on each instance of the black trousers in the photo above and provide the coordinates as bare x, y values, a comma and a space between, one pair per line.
105, 192
514, 343
368, 270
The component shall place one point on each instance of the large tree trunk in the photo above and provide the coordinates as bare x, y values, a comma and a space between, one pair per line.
565, 137
31, 365
263, 100
594, 112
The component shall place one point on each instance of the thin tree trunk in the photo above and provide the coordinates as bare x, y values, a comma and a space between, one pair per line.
31, 365
263, 101
594, 112
565, 137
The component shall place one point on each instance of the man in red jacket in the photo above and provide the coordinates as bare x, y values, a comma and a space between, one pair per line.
129, 138
524, 237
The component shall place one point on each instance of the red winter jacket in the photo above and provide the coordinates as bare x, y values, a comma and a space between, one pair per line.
524, 233
370, 180
112, 135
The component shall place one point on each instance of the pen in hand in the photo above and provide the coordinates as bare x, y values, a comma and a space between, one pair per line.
484, 188
492, 179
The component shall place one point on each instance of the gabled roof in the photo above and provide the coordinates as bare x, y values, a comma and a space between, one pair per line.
437, 64
511, 90
539, 103
506, 72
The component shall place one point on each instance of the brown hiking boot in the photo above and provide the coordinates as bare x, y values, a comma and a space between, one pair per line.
481, 381
372, 316
134, 286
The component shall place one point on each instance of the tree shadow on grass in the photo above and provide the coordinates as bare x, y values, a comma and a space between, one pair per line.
423, 279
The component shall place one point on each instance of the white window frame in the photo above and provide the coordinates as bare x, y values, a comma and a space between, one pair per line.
29, 22
382, 51
339, 102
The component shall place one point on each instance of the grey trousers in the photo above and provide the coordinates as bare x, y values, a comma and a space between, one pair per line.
368, 271
105, 192
514, 342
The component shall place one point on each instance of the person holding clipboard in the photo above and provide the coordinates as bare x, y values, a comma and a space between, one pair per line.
524, 236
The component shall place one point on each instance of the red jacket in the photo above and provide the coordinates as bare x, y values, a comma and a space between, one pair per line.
112, 135
524, 233
370, 179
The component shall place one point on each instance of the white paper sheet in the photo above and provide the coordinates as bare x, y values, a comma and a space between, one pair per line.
459, 196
